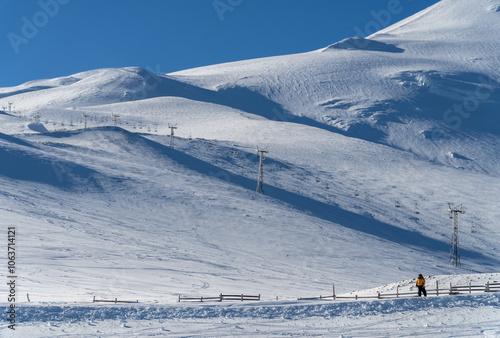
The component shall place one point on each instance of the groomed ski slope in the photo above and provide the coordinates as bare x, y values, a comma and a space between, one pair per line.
460, 316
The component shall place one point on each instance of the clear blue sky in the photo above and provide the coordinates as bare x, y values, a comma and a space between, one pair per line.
50, 38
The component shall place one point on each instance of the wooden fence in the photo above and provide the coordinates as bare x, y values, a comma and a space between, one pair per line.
452, 290
220, 298
113, 301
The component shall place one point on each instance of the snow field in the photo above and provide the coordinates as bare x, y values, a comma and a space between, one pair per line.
473, 316
114, 212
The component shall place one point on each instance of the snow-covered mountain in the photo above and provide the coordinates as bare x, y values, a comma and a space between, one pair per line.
407, 116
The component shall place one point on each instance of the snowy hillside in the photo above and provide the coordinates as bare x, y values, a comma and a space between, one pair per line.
369, 139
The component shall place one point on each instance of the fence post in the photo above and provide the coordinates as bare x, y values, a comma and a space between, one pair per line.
201, 299
241, 297
220, 297
470, 287
487, 286
397, 291
333, 289
356, 297
450, 289
93, 301
116, 300
437, 288
378, 295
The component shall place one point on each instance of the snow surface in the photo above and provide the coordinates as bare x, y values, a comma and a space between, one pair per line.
409, 114
468, 316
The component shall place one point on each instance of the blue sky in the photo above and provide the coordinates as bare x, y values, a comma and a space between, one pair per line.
51, 38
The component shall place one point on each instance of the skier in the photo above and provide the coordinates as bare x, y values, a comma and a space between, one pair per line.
421, 285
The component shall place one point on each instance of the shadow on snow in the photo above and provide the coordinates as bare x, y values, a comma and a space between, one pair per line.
328, 212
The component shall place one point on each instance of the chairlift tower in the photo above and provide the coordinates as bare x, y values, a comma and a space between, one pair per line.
455, 253
85, 117
10, 107
260, 180
172, 127
115, 117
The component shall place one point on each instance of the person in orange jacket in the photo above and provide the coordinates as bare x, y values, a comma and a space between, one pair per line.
420, 284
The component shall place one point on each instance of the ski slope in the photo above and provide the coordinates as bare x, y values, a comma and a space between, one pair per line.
438, 317
409, 115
